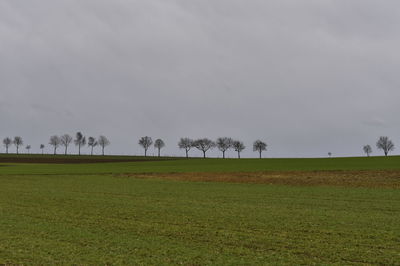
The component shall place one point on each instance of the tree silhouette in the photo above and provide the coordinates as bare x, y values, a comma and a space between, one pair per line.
159, 144
259, 146
103, 142
79, 141
7, 143
28, 148
55, 142
92, 143
145, 142
42, 148
65, 141
224, 144
204, 145
238, 146
187, 144
385, 144
367, 150
18, 142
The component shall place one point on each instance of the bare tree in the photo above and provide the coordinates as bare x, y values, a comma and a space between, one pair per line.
238, 146
103, 142
259, 146
187, 144
79, 141
92, 143
224, 144
367, 150
42, 148
204, 145
55, 142
28, 148
18, 142
159, 144
385, 144
145, 142
330, 154
65, 141
7, 143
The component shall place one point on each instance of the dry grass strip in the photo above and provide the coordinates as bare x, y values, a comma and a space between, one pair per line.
369, 179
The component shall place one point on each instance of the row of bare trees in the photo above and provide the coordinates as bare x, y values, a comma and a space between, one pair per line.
146, 143
204, 145
224, 144
79, 141
383, 143
17, 142
65, 141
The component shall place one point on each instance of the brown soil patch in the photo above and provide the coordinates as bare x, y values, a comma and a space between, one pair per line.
67, 160
369, 179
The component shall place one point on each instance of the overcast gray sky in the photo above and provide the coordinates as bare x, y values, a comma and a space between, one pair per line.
308, 77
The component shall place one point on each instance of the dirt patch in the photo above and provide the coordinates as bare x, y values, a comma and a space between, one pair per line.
68, 160
369, 179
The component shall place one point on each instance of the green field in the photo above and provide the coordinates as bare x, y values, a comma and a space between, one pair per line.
127, 212
173, 165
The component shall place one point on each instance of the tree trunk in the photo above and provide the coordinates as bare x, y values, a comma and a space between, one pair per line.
260, 154
158, 152
17, 150
66, 150
238, 154
187, 153
79, 149
91, 152
145, 152
204, 154
7, 149
55, 150
223, 154
102, 150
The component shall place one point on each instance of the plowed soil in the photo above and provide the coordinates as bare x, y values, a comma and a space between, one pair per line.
68, 160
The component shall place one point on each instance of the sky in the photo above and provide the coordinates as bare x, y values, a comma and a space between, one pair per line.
307, 77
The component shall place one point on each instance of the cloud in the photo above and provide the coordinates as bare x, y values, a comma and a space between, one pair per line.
375, 122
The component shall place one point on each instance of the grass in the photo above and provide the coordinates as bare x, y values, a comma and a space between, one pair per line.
175, 165
94, 214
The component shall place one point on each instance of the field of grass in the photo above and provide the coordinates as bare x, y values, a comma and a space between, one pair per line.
130, 164
196, 212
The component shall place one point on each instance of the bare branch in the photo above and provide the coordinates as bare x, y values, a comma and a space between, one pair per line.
145, 142
55, 141
186, 144
259, 146
159, 144
204, 145
103, 142
65, 141
224, 144
385, 144
238, 146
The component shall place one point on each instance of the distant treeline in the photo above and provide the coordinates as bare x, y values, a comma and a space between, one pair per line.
203, 144
65, 141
